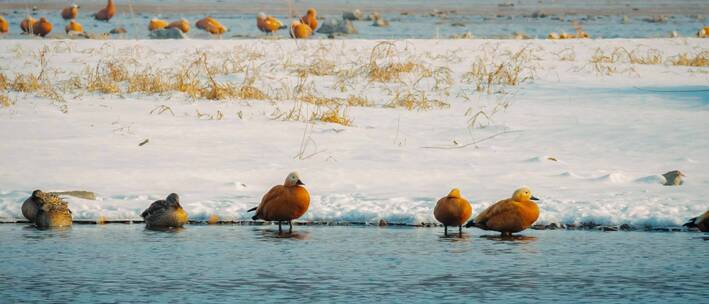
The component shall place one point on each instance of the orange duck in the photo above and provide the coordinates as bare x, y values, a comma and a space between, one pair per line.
453, 210
42, 27
74, 26
284, 202
310, 18
157, 24
299, 30
70, 12
182, 25
211, 26
4, 25
107, 12
510, 215
27, 24
268, 24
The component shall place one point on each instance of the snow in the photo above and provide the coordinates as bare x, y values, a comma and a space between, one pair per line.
591, 146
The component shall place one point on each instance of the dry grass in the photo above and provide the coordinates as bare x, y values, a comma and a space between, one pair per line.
411, 99
494, 75
317, 67
5, 101
336, 115
698, 60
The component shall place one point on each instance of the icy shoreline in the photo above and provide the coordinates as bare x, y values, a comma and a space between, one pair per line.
609, 138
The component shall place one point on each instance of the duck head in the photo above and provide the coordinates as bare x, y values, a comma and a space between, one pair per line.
293, 180
455, 193
173, 200
523, 195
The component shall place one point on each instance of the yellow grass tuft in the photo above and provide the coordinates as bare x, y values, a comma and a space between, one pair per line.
699, 60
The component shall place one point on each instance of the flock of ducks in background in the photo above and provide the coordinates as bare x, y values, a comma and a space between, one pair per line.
290, 201
299, 29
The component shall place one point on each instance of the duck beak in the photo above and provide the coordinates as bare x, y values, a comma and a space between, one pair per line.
534, 198
299, 183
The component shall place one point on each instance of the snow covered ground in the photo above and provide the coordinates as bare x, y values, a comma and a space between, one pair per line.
612, 126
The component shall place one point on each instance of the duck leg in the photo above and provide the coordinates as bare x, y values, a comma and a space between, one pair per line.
279, 227
290, 227
460, 231
445, 230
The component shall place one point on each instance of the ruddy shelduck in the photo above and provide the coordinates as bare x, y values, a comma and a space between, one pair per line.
700, 222
46, 210
453, 210
268, 24
167, 213
157, 24
299, 30
70, 12
211, 26
74, 26
106, 13
42, 27
4, 25
284, 202
510, 215
27, 24
182, 25
310, 19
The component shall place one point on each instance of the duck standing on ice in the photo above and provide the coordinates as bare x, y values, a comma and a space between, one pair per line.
46, 210
106, 13
268, 24
167, 213
453, 210
284, 202
700, 222
70, 12
510, 215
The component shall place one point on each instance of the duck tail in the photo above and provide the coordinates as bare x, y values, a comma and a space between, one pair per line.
691, 223
282, 27
470, 223
252, 209
255, 217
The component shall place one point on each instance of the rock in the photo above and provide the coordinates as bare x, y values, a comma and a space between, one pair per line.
656, 19
118, 30
608, 228
519, 36
373, 16
458, 23
382, 223
466, 35
337, 26
381, 22
626, 227
353, 15
673, 178
552, 226
171, 33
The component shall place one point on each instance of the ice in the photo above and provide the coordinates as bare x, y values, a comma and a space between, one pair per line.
610, 139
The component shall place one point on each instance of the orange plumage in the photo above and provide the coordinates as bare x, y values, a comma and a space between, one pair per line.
299, 30
268, 24
510, 215
452, 210
70, 12
182, 25
284, 202
74, 26
4, 25
310, 18
211, 26
157, 24
42, 27
27, 24
107, 12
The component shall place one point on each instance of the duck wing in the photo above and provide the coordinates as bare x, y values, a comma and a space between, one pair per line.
156, 207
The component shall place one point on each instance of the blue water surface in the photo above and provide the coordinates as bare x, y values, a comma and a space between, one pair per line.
128, 264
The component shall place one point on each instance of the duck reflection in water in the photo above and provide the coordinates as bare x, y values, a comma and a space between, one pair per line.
272, 234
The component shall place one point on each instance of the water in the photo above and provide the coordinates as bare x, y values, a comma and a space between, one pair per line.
126, 263
483, 19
